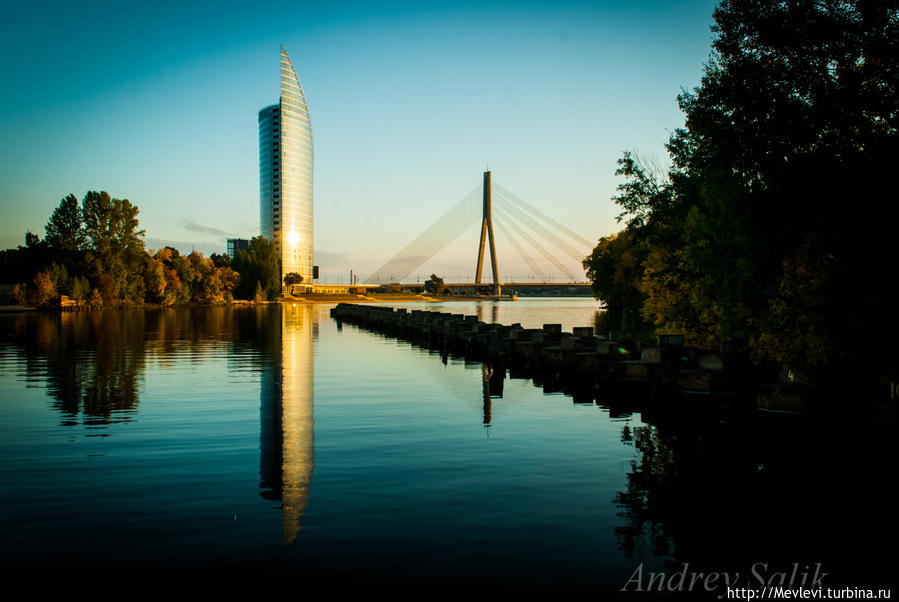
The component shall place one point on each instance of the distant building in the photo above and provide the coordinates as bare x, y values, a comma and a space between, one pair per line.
285, 175
237, 244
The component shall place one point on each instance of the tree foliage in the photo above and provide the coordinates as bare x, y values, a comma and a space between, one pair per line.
258, 264
435, 285
44, 289
765, 230
95, 253
173, 279
64, 231
614, 269
115, 251
293, 278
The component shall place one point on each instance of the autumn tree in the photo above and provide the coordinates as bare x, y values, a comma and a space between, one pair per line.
211, 284
615, 270
154, 281
95, 253
44, 289
59, 276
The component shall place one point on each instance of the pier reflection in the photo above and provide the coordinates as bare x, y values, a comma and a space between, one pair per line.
494, 311
287, 457
486, 374
492, 378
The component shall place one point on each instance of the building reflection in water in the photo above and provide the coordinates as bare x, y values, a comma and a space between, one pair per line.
287, 456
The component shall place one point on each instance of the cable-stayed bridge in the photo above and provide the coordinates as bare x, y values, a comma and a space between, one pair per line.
539, 240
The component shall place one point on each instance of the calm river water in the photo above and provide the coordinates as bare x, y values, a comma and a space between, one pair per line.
263, 446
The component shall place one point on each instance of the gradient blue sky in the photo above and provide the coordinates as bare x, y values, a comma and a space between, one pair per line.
157, 102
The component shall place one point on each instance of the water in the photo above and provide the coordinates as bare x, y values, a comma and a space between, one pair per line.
262, 445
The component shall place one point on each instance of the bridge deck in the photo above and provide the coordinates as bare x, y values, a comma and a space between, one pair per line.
504, 285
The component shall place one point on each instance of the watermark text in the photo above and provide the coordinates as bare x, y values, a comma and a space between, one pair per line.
802, 593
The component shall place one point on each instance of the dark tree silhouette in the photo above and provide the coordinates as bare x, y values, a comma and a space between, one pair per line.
765, 229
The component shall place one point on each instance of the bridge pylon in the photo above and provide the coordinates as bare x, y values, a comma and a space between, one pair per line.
487, 231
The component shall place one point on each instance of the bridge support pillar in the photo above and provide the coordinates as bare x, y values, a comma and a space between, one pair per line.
487, 232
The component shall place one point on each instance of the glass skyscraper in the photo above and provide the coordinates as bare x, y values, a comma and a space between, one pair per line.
285, 175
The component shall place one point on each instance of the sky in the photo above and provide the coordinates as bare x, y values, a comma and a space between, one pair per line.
410, 102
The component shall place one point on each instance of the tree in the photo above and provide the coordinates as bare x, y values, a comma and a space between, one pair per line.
64, 231
293, 278
20, 294
787, 145
95, 299
154, 280
615, 270
44, 290
59, 276
220, 261
230, 280
115, 248
96, 253
21, 264
258, 264
80, 288
435, 285
211, 284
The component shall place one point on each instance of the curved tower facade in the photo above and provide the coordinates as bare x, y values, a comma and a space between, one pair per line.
285, 175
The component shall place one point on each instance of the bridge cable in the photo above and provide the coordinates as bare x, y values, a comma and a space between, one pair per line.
538, 228
511, 196
441, 233
533, 265
511, 222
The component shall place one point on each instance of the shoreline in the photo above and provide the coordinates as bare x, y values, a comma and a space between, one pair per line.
311, 299
385, 298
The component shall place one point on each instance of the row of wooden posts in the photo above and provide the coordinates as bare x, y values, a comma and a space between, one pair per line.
579, 362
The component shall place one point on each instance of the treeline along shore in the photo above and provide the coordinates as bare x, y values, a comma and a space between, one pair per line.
764, 229
93, 256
